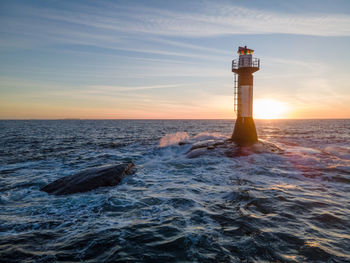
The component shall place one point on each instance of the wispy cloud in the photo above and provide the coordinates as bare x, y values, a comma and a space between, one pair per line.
90, 89
108, 89
202, 20
116, 25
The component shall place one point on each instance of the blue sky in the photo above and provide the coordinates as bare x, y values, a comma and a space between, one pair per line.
170, 59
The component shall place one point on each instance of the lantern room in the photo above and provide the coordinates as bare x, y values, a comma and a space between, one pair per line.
245, 57
245, 51
245, 60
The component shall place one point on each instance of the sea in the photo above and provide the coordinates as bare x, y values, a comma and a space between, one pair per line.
258, 206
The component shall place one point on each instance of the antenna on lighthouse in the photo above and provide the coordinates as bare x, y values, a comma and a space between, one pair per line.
243, 69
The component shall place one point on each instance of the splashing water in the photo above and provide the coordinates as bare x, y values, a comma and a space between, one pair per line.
171, 139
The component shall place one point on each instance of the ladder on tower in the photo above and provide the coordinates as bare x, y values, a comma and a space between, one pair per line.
235, 92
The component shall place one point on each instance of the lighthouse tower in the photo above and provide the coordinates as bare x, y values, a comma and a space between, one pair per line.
243, 69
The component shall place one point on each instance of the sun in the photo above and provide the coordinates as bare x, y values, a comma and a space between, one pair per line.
269, 109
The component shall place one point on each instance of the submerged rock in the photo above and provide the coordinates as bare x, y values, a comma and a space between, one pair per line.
209, 147
266, 147
209, 144
230, 149
89, 179
196, 152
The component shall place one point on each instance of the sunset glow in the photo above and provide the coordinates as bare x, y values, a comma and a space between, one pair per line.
270, 109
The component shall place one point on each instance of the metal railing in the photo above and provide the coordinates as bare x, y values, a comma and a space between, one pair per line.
241, 63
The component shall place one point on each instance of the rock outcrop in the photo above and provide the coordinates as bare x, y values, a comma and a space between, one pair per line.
89, 179
230, 149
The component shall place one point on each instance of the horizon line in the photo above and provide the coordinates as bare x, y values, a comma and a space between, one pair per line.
96, 119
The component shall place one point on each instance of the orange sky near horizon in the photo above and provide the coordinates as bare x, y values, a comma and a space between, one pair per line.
216, 110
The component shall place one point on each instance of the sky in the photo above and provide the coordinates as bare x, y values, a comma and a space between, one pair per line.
172, 59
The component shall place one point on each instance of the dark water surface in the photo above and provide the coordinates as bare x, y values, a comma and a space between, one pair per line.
259, 207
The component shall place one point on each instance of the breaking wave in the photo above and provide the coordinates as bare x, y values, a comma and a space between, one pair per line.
174, 138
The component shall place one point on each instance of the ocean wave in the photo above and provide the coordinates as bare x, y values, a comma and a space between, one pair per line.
287, 205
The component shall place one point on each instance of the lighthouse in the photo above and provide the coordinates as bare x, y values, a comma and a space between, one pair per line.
243, 68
